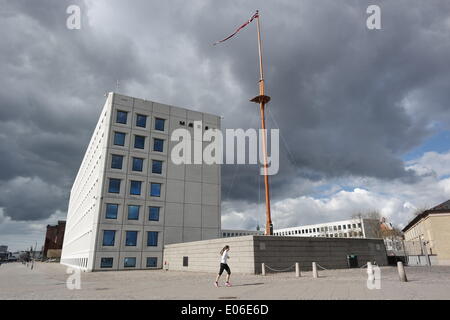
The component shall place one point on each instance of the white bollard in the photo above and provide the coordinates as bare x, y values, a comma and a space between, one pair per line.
401, 272
297, 269
263, 269
314, 270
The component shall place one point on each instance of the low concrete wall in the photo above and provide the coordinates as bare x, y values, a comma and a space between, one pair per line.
204, 255
331, 253
248, 252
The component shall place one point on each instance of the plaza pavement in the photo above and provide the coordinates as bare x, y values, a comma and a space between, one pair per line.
48, 281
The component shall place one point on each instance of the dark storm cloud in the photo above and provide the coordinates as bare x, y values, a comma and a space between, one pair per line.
51, 93
349, 101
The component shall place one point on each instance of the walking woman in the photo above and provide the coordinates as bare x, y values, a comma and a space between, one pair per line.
224, 266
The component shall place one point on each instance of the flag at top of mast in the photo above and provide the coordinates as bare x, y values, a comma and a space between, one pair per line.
256, 15
261, 99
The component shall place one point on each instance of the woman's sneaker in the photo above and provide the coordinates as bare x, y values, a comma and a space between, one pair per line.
227, 284
216, 284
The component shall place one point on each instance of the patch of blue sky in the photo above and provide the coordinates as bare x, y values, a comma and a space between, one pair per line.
439, 142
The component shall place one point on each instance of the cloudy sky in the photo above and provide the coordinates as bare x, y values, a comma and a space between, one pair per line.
364, 114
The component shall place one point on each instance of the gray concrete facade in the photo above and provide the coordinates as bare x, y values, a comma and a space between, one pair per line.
249, 252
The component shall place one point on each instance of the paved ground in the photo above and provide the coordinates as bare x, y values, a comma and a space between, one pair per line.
48, 281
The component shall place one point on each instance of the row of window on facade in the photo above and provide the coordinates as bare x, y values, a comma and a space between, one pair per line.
141, 120
321, 229
135, 187
235, 234
134, 211
128, 262
109, 238
137, 164
331, 235
139, 141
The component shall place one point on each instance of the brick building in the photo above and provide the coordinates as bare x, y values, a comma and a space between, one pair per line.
54, 240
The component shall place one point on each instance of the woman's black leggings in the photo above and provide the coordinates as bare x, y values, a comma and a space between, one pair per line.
224, 266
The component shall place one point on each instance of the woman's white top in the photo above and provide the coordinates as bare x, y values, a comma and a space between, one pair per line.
224, 257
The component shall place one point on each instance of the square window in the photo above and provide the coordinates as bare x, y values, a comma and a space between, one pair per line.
157, 166
106, 263
159, 124
131, 238
158, 145
119, 139
121, 117
116, 161
141, 121
133, 212
153, 213
155, 189
129, 262
152, 262
139, 142
111, 210
114, 185
135, 187
109, 238
152, 239
138, 164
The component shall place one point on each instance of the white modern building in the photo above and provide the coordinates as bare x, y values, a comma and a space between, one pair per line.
129, 199
226, 233
353, 228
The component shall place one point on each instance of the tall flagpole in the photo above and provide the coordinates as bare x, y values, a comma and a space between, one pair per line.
262, 99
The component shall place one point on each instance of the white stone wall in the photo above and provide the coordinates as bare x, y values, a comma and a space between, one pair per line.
84, 203
203, 256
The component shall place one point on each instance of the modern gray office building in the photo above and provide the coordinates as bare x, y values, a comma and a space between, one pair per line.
129, 198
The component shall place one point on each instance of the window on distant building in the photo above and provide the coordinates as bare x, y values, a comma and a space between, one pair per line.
119, 139
344, 227
354, 225
359, 225
153, 214
131, 238
138, 164
106, 262
157, 166
111, 210
339, 227
116, 161
349, 226
129, 262
114, 185
152, 262
108, 238
152, 239
135, 187
121, 117
159, 124
133, 212
158, 145
155, 189
141, 121
139, 142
